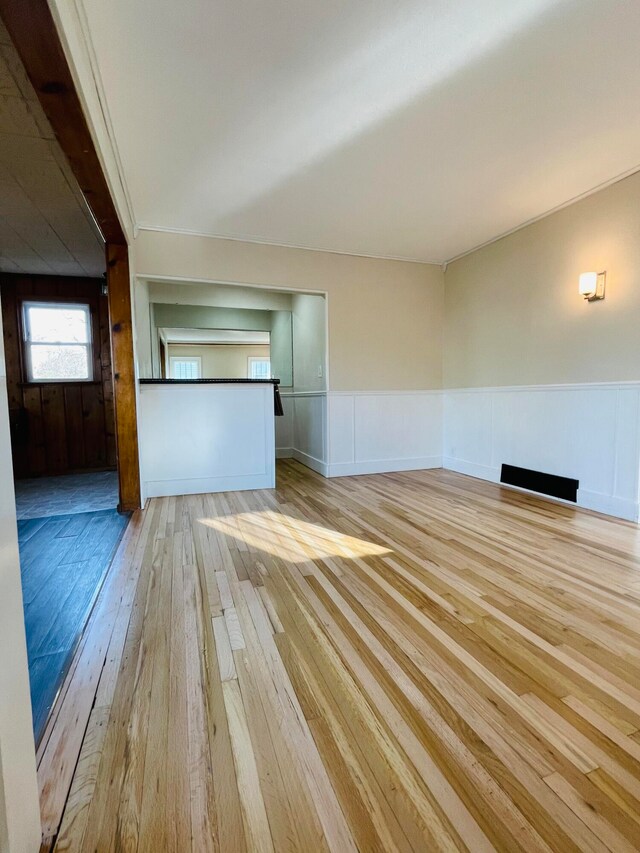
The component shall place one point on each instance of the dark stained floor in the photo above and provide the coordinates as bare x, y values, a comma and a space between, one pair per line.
63, 560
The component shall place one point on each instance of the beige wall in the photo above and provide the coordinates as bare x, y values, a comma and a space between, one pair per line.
19, 810
382, 313
221, 362
513, 315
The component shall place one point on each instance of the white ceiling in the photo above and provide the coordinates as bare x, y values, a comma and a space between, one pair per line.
45, 225
402, 128
213, 336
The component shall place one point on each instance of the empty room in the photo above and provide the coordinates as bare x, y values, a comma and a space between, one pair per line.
319, 426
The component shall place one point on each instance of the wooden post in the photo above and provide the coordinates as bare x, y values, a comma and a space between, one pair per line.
124, 380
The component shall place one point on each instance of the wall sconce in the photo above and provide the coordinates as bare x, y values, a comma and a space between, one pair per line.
591, 285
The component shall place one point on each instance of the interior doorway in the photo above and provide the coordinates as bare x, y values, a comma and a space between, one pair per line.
60, 394
62, 426
214, 330
60, 386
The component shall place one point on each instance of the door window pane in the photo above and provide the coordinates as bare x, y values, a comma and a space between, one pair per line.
62, 325
61, 362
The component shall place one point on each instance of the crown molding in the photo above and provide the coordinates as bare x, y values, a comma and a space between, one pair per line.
603, 186
443, 264
262, 242
85, 30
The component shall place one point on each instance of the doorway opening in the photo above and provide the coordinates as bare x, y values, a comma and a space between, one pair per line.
215, 353
60, 388
60, 391
209, 330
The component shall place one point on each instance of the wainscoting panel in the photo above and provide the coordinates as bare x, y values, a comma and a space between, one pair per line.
587, 432
341, 428
309, 430
376, 432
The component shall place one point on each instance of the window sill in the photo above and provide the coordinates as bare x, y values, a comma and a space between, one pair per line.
37, 382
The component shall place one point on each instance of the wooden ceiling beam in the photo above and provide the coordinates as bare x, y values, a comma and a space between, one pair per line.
33, 32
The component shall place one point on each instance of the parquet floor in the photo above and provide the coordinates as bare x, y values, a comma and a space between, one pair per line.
412, 662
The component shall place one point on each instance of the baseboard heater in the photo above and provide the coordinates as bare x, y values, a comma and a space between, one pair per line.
536, 481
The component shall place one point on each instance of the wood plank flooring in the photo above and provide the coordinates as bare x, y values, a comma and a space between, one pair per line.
412, 662
63, 560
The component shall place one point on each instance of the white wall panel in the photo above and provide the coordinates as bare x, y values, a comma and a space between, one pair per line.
461, 442
341, 428
309, 430
386, 431
627, 443
206, 438
587, 432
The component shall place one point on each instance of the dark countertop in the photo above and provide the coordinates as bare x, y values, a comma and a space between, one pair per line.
209, 381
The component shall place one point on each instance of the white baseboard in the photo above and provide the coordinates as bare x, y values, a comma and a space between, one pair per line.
552, 429
310, 461
204, 485
471, 469
473, 431
606, 504
383, 466
609, 505
284, 452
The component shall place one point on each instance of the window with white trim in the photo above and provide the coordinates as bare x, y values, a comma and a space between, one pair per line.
57, 339
185, 367
259, 368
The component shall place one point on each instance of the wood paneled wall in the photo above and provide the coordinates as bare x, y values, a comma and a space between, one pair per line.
58, 428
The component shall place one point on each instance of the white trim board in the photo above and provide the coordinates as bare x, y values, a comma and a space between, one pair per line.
383, 466
411, 392
310, 461
204, 485
263, 241
601, 186
563, 386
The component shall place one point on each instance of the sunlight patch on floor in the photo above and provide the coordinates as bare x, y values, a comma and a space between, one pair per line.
290, 538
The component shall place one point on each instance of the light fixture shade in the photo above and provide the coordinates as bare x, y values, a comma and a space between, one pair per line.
588, 282
591, 285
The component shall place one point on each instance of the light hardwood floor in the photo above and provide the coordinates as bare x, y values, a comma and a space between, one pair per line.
413, 662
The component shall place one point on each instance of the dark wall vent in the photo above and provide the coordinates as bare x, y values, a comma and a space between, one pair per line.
535, 481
